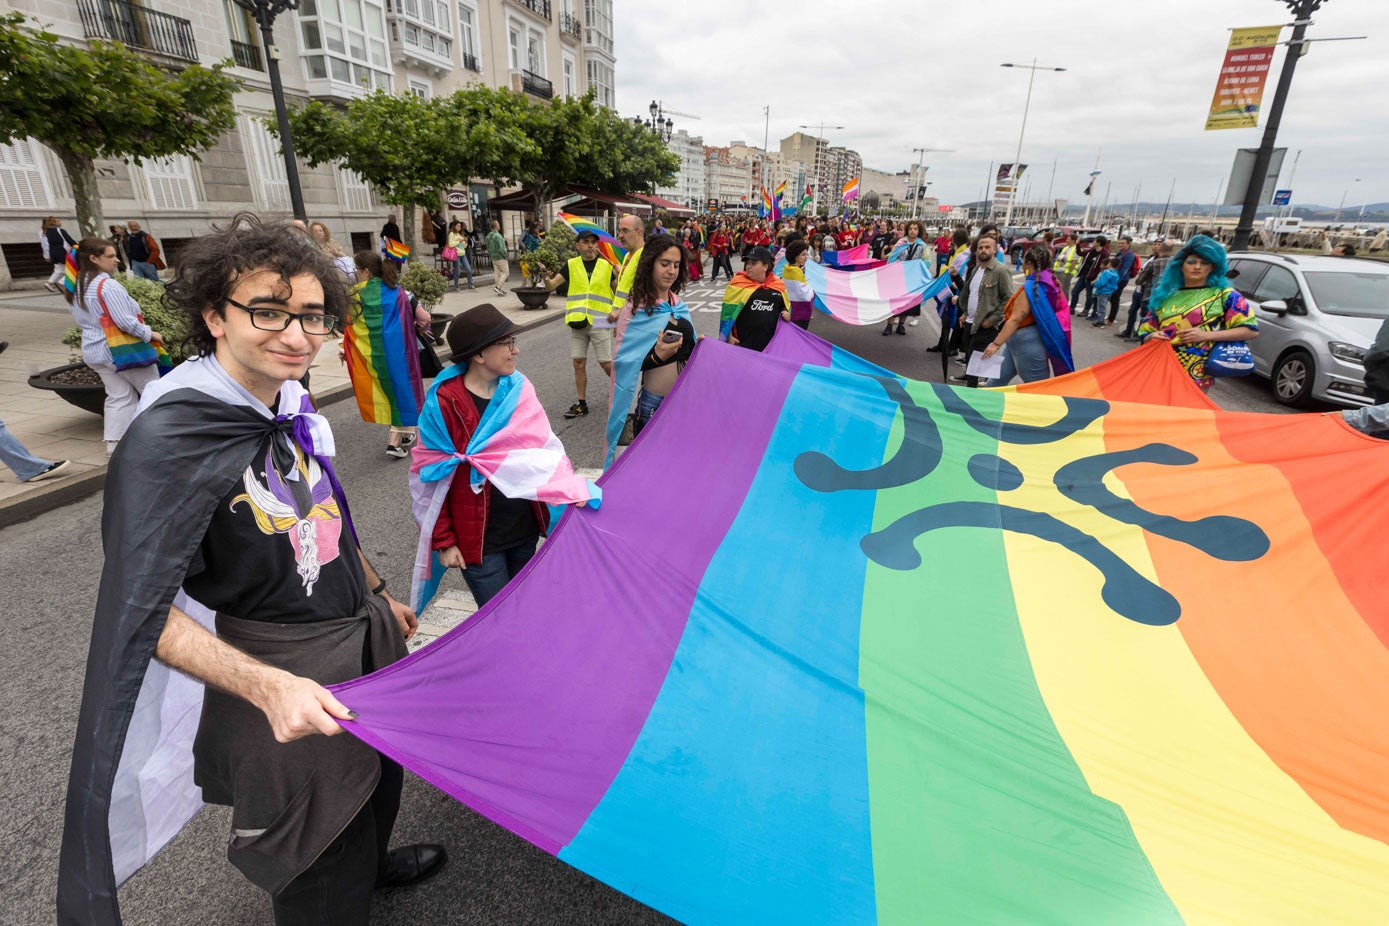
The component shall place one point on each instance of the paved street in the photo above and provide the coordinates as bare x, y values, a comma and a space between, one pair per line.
50, 569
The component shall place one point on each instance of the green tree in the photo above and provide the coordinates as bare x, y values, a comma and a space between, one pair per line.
105, 101
409, 148
575, 141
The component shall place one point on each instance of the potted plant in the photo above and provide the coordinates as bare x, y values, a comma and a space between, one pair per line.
428, 286
78, 384
555, 250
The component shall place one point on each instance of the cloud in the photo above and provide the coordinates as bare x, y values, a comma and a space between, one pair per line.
900, 75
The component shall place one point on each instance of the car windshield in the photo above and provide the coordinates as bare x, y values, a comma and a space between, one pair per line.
1362, 294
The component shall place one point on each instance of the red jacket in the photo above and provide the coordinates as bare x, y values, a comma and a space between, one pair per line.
718, 243
463, 518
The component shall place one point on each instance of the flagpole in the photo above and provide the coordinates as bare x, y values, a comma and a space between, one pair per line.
1090, 190
1050, 203
986, 202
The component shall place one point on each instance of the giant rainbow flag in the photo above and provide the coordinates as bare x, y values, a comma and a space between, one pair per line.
382, 355
920, 654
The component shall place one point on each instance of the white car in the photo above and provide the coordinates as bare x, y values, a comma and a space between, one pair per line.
1317, 318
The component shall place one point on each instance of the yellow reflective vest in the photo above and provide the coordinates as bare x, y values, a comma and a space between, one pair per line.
625, 276
1068, 261
588, 297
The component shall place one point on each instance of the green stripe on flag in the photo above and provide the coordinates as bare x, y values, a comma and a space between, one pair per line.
979, 813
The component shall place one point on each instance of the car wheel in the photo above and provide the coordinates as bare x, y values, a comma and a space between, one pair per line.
1293, 378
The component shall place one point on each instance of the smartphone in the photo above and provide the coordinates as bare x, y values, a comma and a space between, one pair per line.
670, 337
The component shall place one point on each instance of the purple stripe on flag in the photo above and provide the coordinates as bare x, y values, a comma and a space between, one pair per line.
536, 751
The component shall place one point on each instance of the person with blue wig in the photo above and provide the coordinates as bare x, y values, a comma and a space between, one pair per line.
1193, 306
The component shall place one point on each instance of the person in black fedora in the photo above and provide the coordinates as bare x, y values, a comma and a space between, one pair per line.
488, 535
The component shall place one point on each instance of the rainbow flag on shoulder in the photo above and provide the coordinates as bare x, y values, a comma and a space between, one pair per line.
608, 246
739, 290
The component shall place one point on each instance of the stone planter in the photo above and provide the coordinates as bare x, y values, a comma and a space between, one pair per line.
90, 398
533, 297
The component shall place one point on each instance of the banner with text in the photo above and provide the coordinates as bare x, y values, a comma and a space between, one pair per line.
1239, 91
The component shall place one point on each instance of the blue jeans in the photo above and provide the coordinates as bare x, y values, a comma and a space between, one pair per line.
1025, 356
490, 576
647, 403
144, 269
18, 458
1082, 286
463, 264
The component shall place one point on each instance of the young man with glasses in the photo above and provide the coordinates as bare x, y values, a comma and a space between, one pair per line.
223, 494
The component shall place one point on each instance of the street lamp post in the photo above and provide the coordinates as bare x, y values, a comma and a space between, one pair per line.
1017, 158
1302, 11
264, 13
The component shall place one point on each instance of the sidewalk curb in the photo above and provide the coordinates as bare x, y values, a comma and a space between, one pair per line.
65, 492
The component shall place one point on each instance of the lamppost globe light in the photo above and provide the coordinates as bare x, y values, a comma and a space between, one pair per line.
653, 109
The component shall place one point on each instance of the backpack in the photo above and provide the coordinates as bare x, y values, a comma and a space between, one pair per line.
1137, 263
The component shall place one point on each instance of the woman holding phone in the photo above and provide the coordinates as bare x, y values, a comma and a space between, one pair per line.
655, 337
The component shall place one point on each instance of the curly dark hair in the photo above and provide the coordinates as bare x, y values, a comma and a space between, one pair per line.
644, 282
206, 271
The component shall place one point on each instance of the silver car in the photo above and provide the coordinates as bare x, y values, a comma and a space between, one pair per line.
1317, 318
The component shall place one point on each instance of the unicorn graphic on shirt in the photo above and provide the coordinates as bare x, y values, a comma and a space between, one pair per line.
313, 534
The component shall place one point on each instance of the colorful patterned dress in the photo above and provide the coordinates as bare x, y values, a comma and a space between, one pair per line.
1211, 308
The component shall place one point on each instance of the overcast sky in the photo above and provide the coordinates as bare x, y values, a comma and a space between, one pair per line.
913, 73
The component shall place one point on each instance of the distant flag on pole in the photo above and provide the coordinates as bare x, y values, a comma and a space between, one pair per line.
766, 208
850, 190
608, 246
806, 198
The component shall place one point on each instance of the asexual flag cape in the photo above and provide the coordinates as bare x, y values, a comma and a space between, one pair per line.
869, 297
739, 290
131, 785
934, 655
512, 447
383, 355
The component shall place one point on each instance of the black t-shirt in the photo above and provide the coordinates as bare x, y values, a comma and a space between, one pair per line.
563, 288
756, 324
510, 521
279, 550
687, 345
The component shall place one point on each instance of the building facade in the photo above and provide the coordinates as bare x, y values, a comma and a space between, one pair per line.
727, 179
688, 188
331, 50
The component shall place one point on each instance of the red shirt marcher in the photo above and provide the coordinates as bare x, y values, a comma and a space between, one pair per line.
845, 239
719, 243
463, 519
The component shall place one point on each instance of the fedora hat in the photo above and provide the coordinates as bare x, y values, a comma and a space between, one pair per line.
475, 329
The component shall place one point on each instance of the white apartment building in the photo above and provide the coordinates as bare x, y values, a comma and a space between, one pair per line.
331, 50
727, 179
689, 185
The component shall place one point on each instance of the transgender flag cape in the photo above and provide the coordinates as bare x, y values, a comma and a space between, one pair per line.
513, 448
869, 297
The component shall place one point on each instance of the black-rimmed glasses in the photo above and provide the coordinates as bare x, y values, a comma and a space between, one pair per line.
509, 344
315, 323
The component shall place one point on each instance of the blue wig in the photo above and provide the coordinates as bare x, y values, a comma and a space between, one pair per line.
1203, 246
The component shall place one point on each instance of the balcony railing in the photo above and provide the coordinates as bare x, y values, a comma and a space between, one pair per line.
534, 83
137, 27
246, 55
471, 63
538, 7
569, 23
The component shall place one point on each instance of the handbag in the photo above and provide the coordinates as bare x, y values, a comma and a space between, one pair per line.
127, 351
1230, 358
449, 253
430, 364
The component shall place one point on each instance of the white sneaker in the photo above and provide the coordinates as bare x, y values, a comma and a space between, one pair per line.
55, 469
914, 322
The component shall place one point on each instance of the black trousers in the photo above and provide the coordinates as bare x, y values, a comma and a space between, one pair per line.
721, 260
336, 889
978, 341
1114, 300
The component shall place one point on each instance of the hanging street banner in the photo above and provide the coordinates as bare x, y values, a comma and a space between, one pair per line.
1239, 91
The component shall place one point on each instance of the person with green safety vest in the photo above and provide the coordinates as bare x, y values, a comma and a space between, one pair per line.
1067, 263
586, 283
631, 233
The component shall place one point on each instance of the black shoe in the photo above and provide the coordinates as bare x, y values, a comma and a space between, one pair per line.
411, 864
934, 349
577, 410
54, 469
1122, 334
888, 330
901, 329
3, 345
397, 451
958, 379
